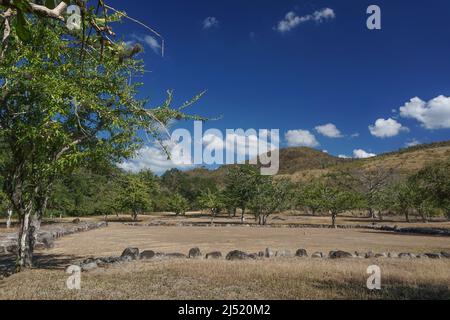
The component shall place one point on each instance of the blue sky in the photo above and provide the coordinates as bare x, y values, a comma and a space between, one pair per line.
325, 68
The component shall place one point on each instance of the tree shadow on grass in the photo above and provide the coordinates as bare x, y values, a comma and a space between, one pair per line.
411, 234
41, 261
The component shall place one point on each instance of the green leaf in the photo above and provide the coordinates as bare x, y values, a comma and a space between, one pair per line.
22, 27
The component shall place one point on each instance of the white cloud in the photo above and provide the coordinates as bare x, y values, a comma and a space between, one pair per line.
386, 128
153, 44
412, 143
343, 156
241, 143
362, 154
155, 159
301, 138
329, 130
149, 41
292, 20
434, 114
210, 22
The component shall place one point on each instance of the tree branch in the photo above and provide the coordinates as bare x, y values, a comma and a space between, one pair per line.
41, 10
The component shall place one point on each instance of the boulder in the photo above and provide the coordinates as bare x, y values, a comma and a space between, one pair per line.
340, 255
253, 256
434, 256
48, 241
76, 221
406, 255
269, 253
392, 255
317, 255
147, 255
85, 267
261, 254
445, 255
360, 255
370, 255
130, 254
283, 254
214, 255
381, 255
301, 253
195, 253
237, 255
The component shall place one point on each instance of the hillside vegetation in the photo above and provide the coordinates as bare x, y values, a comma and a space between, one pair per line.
305, 163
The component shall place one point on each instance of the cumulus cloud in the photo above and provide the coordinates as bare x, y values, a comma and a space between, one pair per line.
343, 156
387, 128
301, 138
155, 159
329, 130
434, 114
242, 143
292, 20
210, 22
362, 154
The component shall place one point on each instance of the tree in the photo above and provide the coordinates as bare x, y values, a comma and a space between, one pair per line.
308, 196
213, 201
433, 184
335, 199
269, 197
368, 182
62, 105
178, 204
135, 196
240, 186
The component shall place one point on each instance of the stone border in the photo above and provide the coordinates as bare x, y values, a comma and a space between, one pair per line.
47, 236
133, 254
408, 230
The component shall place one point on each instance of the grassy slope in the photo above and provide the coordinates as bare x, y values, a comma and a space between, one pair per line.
304, 163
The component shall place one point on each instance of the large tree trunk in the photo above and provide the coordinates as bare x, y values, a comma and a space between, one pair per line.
25, 242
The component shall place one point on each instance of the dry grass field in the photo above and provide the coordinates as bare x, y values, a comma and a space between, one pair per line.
261, 280
285, 278
112, 240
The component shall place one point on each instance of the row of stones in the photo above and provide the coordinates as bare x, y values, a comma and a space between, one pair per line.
423, 231
133, 254
47, 237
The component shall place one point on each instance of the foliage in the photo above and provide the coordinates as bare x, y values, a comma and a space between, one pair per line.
269, 197
241, 185
213, 201
62, 106
136, 194
178, 204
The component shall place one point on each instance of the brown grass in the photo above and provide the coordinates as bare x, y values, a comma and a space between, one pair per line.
285, 279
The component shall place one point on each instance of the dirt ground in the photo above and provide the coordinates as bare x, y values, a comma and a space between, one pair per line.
291, 278
113, 240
